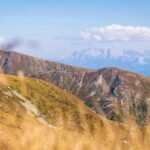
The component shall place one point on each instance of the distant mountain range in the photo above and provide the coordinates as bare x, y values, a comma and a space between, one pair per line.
130, 60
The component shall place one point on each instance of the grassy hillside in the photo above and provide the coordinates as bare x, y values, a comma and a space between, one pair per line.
37, 115
51, 102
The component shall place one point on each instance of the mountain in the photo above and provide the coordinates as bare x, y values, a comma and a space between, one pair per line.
12, 62
111, 92
37, 115
130, 60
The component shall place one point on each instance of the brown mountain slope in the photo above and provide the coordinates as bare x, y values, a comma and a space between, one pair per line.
12, 62
111, 92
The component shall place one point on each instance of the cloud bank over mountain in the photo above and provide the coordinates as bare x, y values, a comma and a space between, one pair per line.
117, 32
118, 39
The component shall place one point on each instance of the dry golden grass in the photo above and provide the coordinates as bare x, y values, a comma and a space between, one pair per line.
67, 123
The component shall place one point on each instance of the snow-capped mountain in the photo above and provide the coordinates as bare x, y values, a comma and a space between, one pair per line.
98, 58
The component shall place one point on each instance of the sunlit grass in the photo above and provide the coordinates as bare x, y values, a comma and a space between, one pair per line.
73, 126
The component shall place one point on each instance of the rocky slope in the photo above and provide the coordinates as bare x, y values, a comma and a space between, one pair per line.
111, 92
12, 62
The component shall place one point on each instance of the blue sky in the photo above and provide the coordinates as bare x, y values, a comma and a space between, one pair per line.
55, 25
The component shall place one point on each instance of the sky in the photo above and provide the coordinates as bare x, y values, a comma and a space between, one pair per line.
54, 29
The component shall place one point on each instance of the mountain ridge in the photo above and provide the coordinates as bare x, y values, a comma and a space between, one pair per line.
8, 54
111, 92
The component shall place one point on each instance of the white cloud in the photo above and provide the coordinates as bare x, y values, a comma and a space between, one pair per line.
1, 39
116, 32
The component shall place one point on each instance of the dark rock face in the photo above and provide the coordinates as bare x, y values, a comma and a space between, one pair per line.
142, 112
111, 92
